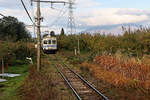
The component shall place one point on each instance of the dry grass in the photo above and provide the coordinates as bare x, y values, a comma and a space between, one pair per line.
121, 73
38, 86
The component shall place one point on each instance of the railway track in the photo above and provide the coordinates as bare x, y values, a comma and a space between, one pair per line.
82, 89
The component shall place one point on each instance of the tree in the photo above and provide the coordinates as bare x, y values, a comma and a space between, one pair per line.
62, 32
12, 30
3, 53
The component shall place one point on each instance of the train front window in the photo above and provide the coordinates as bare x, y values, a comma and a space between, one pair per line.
45, 42
54, 41
49, 41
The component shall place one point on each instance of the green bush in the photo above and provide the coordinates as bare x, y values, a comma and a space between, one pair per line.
131, 43
16, 53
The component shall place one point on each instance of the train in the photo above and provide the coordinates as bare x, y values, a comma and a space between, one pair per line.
49, 44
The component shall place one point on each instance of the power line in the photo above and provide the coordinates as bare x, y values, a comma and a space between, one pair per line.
61, 14
51, 1
27, 11
32, 14
2, 15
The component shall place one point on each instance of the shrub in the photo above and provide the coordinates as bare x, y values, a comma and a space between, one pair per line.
132, 43
16, 53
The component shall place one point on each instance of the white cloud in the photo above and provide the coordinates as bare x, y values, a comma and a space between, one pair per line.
12, 12
13, 4
20, 14
110, 16
87, 3
115, 30
87, 13
132, 11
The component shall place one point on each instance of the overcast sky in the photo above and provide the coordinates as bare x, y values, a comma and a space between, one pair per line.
92, 15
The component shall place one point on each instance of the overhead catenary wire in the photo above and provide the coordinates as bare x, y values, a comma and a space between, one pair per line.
2, 15
32, 14
32, 11
56, 22
61, 11
62, 20
50, 1
27, 12
61, 14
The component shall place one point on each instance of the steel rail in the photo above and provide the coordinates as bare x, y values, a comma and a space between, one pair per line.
74, 91
91, 86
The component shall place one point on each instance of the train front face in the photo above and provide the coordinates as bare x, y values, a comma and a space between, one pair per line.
49, 44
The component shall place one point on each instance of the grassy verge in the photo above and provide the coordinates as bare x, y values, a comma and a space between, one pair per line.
46, 84
8, 90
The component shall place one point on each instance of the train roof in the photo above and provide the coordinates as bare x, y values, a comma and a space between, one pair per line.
48, 36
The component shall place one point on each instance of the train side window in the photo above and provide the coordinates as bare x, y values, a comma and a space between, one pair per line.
45, 42
49, 41
54, 41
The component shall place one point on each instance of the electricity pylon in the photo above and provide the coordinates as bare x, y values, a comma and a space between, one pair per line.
71, 22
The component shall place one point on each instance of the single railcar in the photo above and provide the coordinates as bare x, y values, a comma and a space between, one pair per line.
49, 44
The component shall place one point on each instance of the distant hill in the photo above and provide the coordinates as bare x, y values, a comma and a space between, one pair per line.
111, 29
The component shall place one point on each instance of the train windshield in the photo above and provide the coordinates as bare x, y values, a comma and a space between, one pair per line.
45, 42
54, 41
49, 41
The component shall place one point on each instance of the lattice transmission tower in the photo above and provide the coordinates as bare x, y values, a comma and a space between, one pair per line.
71, 22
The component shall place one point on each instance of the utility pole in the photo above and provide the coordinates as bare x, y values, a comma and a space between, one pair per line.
78, 45
2, 65
38, 37
38, 28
